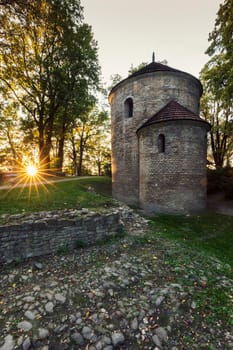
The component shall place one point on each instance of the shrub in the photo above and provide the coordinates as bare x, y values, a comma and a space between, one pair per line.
80, 244
220, 180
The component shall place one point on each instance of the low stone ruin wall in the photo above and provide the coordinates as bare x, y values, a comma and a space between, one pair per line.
24, 236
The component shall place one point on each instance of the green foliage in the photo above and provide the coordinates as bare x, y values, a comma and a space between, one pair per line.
221, 46
133, 69
216, 303
217, 110
88, 141
63, 249
115, 79
80, 244
49, 66
217, 78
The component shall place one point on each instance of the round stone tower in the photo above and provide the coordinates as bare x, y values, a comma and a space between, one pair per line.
159, 141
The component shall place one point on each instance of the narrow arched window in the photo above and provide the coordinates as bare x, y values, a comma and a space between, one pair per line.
161, 143
128, 105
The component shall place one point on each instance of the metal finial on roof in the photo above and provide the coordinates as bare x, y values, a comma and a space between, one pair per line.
153, 56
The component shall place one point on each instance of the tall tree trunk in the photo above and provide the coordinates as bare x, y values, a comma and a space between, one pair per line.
41, 143
45, 141
60, 153
80, 160
61, 144
74, 157
12, 147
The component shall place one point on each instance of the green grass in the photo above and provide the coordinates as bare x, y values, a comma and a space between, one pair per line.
195, 247
211, 233
78, 193
198, 237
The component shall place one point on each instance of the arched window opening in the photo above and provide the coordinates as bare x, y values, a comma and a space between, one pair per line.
161, 143
128, 107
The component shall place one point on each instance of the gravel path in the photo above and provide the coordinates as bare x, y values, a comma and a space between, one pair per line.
131, 293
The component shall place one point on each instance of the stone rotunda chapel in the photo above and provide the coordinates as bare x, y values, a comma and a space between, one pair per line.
159, 141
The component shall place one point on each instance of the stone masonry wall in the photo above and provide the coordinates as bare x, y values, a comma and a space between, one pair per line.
149, 92
45, 232
173, 181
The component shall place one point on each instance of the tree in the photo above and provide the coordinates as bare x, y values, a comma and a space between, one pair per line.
220, 118
48, 57
70, 115
9, 150
217, 78
133, 69
221, 46
85, 136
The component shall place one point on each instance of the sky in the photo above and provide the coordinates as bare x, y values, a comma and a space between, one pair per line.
128, 31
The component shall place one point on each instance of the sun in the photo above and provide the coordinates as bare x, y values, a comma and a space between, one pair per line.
31, 170
33, 176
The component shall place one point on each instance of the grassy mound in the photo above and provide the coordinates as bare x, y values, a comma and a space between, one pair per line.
92, 192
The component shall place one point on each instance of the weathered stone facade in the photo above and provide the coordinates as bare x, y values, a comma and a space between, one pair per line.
141, 175
47, 232
176, 180
36, 234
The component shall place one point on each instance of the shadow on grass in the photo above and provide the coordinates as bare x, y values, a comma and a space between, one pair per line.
212, 233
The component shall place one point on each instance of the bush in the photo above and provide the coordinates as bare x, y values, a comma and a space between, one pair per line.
220, 180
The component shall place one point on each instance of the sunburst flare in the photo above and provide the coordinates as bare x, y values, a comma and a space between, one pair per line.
31, 176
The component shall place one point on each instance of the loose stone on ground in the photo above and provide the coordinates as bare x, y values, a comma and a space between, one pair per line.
125, 295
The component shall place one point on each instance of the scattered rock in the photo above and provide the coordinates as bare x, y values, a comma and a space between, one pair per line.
134, 324
30, 315
49, 307
121, 295
43, 333
162, 334
8, 343
87, 333
29, 299
156, 340
26, 344
77, 338
117, 338
60, 298
38, 265
24, 326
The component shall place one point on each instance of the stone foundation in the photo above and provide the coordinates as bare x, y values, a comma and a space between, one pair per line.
24, 236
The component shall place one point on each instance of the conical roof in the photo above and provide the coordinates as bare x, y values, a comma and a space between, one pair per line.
173, 111
154, 67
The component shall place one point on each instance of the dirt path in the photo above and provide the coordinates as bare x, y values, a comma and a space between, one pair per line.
50, 180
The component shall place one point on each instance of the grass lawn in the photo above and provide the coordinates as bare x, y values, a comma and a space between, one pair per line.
211, 233
91, 192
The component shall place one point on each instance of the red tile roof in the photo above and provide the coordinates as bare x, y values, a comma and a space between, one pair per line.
173, 111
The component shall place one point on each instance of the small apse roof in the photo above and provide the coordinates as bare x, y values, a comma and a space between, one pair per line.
173, 111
